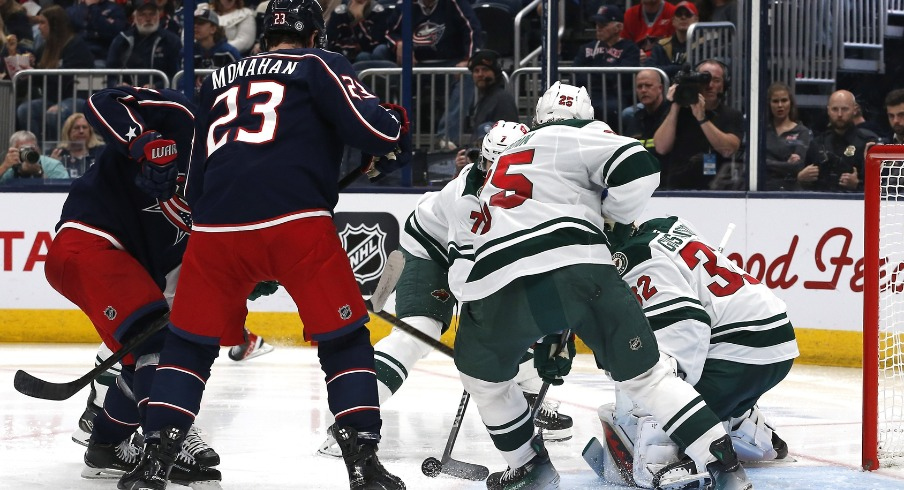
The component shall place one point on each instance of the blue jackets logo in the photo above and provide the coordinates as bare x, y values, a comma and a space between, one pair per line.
365, 246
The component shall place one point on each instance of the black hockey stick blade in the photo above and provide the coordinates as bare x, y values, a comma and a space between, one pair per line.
401, 325
38, 388
465, 471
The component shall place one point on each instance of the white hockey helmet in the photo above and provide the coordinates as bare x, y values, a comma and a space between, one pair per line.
563, 101
502, 134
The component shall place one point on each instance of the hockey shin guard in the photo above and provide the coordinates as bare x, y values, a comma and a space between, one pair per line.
351, 387
119, 417
396, 354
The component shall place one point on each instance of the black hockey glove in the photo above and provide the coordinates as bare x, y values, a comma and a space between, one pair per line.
157, 157
551, 366
263, 288
401, 155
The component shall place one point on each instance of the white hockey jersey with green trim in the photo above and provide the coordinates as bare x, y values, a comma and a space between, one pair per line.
701, 304
441, 226
541, 202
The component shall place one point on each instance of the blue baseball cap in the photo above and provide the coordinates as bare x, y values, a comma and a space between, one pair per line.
607, 14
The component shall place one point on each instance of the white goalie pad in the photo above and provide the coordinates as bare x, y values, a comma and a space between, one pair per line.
650, 449
751, 436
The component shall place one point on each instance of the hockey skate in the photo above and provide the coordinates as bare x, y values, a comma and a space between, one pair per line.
329, 447
726, 470
86, 422
110, 460
556, 426
538, 473
364, 469
202, 453
254, 346
167, 460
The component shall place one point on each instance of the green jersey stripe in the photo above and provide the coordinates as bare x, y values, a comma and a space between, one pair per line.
671, 317
754, 338
435, 250
779, 319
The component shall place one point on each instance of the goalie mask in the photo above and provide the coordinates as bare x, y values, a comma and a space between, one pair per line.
563, 101
295, 17
502, 134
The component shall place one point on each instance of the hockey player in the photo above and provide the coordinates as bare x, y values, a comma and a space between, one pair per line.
728, 335
262, 186
117, 252
542, 265
423, 299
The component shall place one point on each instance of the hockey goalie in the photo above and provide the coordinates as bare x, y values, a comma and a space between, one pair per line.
722, 331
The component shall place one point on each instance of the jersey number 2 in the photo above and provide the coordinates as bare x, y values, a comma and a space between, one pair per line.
267, 110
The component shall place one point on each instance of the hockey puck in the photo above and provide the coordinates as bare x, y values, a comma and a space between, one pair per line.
431, 467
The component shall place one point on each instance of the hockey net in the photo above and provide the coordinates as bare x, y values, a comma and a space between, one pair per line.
883, 308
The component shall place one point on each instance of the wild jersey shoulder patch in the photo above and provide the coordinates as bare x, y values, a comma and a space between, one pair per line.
621, 262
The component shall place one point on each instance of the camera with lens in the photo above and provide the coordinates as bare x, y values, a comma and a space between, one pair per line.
688, 86
29, 154
472, 154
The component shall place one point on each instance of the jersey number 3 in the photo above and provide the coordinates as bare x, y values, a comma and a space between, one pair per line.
265, 132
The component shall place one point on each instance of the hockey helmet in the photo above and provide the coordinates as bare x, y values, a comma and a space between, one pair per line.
563, 101
502, 134
295, 16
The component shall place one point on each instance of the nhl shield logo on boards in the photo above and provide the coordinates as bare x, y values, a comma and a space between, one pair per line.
365, 246
345, 312
110, 312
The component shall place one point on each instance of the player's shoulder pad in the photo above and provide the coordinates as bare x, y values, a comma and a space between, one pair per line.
341, 9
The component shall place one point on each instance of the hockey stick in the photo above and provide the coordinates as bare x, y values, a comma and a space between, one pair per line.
38, 388
725, 237
543, 389
388, 280
448, 465
401, 325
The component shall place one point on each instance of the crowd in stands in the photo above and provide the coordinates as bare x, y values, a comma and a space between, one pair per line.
696, 136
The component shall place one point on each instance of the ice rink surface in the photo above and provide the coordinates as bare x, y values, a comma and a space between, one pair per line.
267, 416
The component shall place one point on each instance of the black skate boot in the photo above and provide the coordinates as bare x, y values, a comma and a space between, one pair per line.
110, 460
726, 470
156, 462
189, 472
364, 469
199, 449
538, 473
556, 426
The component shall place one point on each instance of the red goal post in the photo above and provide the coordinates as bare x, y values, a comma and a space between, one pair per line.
883, 308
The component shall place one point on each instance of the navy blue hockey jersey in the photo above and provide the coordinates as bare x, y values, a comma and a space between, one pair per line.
271, 135
106, 202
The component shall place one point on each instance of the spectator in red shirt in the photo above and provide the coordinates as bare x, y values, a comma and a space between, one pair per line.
648, 22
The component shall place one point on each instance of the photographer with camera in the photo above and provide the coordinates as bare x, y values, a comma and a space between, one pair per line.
834, 160
700, 133
24, 160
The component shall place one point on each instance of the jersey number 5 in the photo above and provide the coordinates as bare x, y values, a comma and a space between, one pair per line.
267, 110
516, 188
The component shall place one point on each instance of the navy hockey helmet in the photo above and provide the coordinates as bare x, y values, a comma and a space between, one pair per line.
295, 16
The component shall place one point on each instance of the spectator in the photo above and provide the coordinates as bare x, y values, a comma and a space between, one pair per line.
145, 45
238, 23
445, 34
10, 66
211, 49
79, 146
787, 140
24, 160
894, 107
834, 160
718, 11
16, 20
98, 22
170, 17
698, 138
609, 50
648, 22
358, 31
646, 117
62, 48
670, 54
494, 103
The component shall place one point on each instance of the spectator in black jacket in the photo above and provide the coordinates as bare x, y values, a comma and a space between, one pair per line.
98, 22
357, 29
62, 48
145, 45
16, 20
494, 103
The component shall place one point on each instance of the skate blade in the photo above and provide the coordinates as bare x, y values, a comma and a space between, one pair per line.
329, 450
768, 463
556, 435
686, 482
203, 485
101, 473
80, 437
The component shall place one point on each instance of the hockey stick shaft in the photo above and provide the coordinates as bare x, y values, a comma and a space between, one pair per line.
38, 388
388, 280
455, 467
401, 325
456, 425
725, 237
